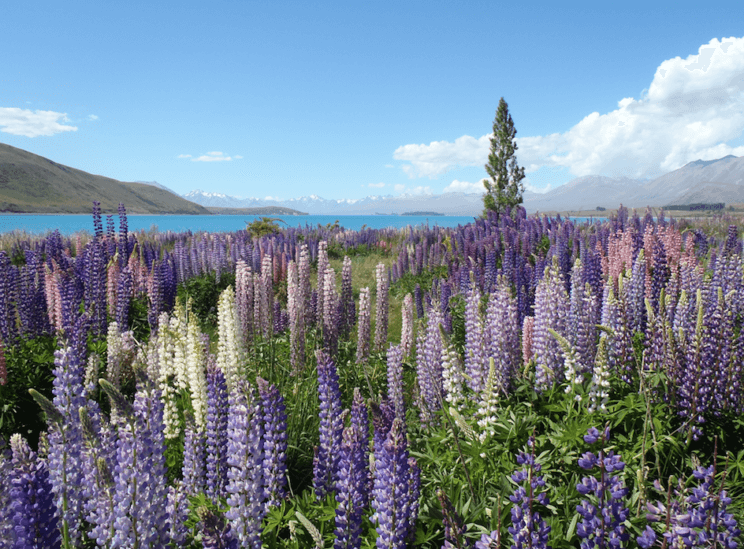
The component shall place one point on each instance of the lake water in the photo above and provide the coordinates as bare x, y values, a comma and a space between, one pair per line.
68, 224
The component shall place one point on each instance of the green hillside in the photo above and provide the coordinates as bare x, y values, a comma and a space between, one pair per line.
30, 183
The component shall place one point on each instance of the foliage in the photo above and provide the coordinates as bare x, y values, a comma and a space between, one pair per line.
504, 189
263, 226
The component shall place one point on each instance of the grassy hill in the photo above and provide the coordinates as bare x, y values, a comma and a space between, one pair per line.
33, 184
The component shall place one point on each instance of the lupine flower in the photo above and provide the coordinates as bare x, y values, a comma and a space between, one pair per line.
551, 308
395, 492
364, 326
274, 420
381, 310
215, 533
246, 478
528, 327
454, 528
528, 529
325, 464
352, 492
602, 518
31, 502
330, 312
3, 366
475, 341
193, 458
228, 351
178, 513
406, 332
140, 498
244, 301
347, 311
429, 352
297, 319
395, 379
452, 374
217, 402
501, 339
322, 265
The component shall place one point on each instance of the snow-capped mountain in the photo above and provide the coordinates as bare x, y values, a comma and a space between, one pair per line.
706, 181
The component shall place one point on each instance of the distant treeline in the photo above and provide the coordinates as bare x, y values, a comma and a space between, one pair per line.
697, 207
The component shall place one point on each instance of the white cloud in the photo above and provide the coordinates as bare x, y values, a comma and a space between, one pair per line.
691, 109
213, 156
376, 185
532, 188
399, 187
30, 123
92, 117
465, 187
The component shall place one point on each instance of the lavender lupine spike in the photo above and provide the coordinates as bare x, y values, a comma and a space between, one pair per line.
406, 332
582, 320
31, 502
330, 313
528, 529
551, 308
325, 464
454, 527
395, 379
347, 316
305, 289
696, 517
381, 308
217, 403
216, 534
603, 518
501, 339
352, 492
140, 499
297, 317
476, 362
178, 513
193, 458
244, 301
246, 478
429, 351
275, 441
392, 496
322, 265
364, 326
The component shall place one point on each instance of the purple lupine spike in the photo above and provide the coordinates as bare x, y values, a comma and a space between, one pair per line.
582, 320
216, 534
528, 529
110, 237
551, 308
364, 326
381, 308
635, 295
392, 495
275, 441
97, 225
352, 488
445, 299
297, 318
347, 316
603, 518
140, 500
31, 505
193, 458
123, 298
419, 302
502, 343
325, 465
246, 478
123, 247
178, 514
660, 274
429, 354
454, 527
216, 474
395, 379
8, 274
475, 342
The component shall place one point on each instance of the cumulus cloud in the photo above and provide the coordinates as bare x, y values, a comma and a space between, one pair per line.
420, 190
92, 117
691, 109
376, 185
213, 156
30, 123
465, 187
399, 187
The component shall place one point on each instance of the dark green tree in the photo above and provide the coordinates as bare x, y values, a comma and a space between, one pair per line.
503, 188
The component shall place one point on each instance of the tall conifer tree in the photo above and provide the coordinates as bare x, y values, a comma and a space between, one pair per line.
503, 188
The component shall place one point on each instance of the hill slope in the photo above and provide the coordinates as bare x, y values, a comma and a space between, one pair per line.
34, 184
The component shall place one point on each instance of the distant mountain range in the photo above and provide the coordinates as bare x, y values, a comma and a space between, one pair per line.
34, 184
700, 181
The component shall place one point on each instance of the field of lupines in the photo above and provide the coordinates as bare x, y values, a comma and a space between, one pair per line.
517, 382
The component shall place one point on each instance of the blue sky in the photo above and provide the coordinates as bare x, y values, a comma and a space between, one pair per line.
347, 99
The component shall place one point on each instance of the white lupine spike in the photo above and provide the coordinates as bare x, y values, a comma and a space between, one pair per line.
228, 355
196, 372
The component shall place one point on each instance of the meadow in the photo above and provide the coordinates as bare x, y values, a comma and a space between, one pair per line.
519, 381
